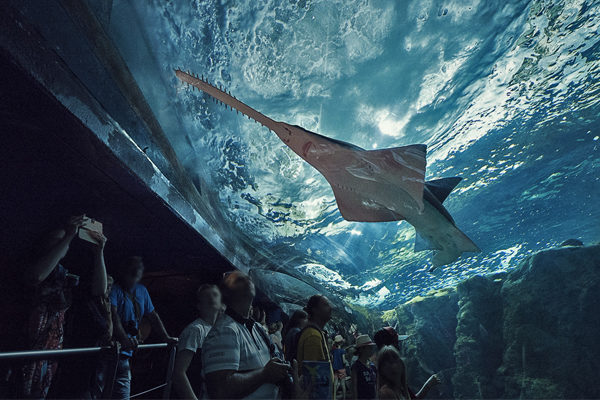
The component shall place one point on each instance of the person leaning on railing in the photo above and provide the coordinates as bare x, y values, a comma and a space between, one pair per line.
131, 302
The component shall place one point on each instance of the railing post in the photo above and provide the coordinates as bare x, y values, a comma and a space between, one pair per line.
170, 366
111, 371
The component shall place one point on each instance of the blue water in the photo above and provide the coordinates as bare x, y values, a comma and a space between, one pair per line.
506, 94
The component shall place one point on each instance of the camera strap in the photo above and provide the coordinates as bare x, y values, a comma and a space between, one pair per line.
137, 309
275, 353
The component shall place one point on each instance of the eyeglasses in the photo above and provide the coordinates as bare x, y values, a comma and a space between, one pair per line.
241, 275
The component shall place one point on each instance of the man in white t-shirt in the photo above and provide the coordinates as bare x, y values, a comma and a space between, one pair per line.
236, 356
187, 373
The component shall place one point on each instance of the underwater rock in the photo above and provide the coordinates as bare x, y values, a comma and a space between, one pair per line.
478, 347
430, 322
530, 333
551, 325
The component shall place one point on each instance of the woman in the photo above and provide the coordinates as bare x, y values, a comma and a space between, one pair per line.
392, 377
275, 334
296, 323
50, 287
364, 373
391, 381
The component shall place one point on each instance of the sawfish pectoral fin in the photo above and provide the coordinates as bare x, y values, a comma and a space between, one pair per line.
444, 257
403, 167
462, 244
422, 244
354, 207
466, 245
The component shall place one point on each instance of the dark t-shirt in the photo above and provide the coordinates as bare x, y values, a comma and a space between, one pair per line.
366, 380
290, 344
338, 361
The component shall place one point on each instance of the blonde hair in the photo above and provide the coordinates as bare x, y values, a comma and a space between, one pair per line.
399, 385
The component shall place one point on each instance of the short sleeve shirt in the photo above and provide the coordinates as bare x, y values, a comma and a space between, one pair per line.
126, 309
366, 380
192, 337
312, 346
230, 345
338, 361
291, 344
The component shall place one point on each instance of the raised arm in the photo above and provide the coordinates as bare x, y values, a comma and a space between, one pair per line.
45, 264
99, 280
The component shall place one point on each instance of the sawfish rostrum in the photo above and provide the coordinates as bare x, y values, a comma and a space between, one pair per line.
369, 185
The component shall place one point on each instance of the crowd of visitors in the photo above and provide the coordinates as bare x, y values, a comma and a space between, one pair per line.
227, 351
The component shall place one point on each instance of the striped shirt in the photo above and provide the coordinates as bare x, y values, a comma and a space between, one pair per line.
230, 345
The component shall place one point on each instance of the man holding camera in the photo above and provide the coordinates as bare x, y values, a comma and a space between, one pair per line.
130, 302
237, 357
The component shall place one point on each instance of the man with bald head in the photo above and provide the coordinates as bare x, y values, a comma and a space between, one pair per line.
237, 358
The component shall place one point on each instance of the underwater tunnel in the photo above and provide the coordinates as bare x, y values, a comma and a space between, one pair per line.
506, 97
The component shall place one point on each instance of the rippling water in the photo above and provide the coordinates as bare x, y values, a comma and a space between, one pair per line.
506, 94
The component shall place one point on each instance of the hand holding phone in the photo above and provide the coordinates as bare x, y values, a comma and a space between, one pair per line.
91, 231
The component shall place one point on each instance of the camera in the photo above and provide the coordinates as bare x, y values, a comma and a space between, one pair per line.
130, 328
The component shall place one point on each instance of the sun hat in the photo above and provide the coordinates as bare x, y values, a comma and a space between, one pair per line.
338, 339
364, 340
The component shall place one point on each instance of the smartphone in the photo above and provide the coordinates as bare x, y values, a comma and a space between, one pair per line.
90, 225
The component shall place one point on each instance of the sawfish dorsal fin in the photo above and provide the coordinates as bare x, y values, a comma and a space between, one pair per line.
441, 188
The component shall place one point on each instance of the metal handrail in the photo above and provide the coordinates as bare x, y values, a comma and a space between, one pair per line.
47, 354
133, 396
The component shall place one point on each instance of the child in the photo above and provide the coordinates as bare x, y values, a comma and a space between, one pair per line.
339, 369
364, 373
392, 381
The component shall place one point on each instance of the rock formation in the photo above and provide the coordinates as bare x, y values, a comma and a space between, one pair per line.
533, 332
430, 322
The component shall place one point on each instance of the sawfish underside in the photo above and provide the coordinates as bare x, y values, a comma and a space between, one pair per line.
369, 185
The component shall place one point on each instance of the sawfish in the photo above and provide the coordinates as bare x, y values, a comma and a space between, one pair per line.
368, 185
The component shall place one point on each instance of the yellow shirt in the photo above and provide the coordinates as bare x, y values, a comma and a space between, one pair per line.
312, 346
